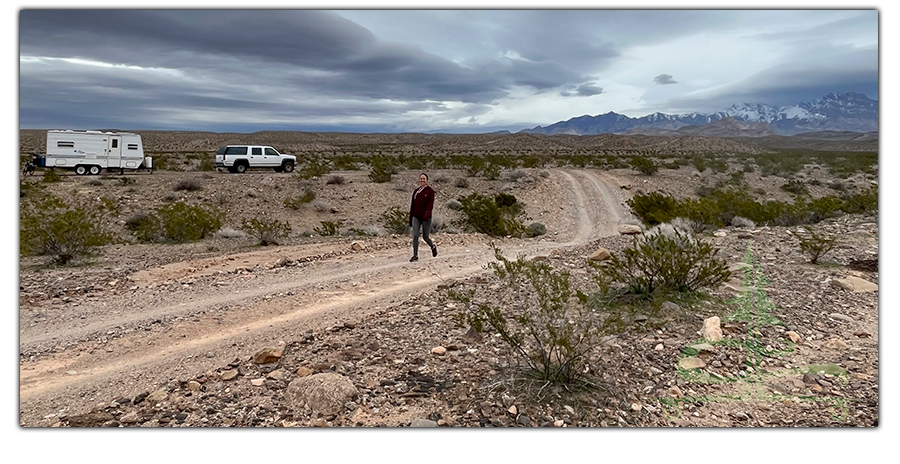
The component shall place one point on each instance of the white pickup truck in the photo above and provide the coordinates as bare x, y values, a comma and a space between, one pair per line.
239, 158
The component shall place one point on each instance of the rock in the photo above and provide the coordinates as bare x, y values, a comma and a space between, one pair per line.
194, 385
158, 396
228, 374
668, 306
794, 336
629, 229
602, 254
658, 347
268, 355
357, 246
439, 351
257, 382
276, 375
303, 371
700, 347
691, 362
712, 329
423, 423
324, 393
836, 344
130, 418
675, 392
840, 317
513, 410
855, 284
720, 233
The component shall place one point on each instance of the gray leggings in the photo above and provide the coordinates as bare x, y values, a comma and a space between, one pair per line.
426, 227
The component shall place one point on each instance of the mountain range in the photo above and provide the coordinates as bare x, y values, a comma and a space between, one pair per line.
849, 111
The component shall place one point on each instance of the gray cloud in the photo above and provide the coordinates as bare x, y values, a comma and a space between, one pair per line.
664, 79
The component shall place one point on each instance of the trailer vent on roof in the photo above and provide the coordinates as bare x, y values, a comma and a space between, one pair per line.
62, 144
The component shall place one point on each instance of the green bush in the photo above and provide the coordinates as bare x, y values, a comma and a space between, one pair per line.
796, 187
382, 169
296, 202
266, 231
50, 228
861, 203
181, 223
815, 244
486, 215
654, 208
536, 229
51, 176
314, 166
144, 226
329, 228
395, 220
542, 319
664, 262
462, 182
644, 165
207, 164
189, 185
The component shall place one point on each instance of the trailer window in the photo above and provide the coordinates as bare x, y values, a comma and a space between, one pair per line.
132, 146
62, 144
115, 143
236, 151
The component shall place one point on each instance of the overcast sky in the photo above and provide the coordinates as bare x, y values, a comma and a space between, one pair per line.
425, 70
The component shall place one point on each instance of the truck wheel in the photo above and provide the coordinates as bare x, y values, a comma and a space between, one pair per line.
80, 170
240, 168
94, 170
288, 166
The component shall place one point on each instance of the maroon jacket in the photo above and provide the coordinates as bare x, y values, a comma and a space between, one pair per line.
421, 204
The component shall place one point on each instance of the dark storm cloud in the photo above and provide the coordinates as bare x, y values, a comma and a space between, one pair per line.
664, 79
584, 90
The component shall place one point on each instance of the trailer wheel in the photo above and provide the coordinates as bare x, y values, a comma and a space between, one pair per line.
80, 170
94, 170
240, 168
288, 166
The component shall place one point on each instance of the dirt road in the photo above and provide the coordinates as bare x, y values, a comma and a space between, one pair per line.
219, 309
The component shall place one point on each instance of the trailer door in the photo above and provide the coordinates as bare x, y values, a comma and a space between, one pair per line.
114, 152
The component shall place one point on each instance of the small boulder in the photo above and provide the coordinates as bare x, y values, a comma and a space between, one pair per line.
602, 254
357, 246
629, 229
324, 393
712, 329
268, 355
439, 351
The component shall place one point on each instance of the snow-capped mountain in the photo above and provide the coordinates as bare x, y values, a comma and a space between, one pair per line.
837, 112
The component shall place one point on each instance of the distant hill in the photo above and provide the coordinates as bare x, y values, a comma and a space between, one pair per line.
834, 112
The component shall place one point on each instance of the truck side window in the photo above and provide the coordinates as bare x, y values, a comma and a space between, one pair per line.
236, 151
257, 151
271, 152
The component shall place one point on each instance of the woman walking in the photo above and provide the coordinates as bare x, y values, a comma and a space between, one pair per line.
420, 216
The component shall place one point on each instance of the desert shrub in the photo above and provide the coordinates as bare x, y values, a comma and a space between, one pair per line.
126, 180
382, 169
486, 215
189, 185
663, 262
462, 182
796, 187
644, 165
49, 228
536, 229
335, 180
514, 175
266, 231
861, 203
544, 322
654, 207
329, 228
689, 225
51, 176
95, 182
298, 201
454, 205
181, 223
144, 226
395, 220
207, 164
699, 162
314, 166
814, 244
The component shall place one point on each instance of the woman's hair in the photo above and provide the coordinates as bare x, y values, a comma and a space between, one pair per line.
423, 174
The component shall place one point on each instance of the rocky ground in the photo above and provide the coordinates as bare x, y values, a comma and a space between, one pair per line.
811, 333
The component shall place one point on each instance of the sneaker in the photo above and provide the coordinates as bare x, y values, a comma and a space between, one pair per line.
433, 251
414, 258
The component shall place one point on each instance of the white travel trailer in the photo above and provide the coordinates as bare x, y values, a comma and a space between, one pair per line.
88, 152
